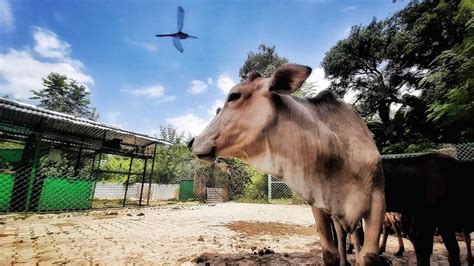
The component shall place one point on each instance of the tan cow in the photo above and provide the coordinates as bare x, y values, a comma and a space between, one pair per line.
320, 147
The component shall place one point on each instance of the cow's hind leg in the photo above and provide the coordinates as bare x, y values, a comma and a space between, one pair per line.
373, 223
467, 239
451, 243
421, 236
401, 246
328, 246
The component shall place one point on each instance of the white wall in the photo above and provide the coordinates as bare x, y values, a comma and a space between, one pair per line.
117, 191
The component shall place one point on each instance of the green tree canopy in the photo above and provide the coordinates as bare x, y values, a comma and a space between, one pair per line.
64, 95
411, 73
265, 61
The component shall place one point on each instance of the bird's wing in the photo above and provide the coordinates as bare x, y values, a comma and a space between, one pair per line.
177, 44
180, 18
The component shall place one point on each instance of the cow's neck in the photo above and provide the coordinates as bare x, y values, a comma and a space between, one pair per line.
294, 150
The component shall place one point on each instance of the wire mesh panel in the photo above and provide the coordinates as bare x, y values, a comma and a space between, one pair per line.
37, 176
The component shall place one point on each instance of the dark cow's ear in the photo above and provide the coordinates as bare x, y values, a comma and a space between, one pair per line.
288, 78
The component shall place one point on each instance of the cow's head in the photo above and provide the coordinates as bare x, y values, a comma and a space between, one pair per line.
250, 108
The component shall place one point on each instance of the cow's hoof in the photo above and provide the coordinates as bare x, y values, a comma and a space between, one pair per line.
330, 258
370, 259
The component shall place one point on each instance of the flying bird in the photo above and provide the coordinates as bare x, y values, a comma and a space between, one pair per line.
178, 35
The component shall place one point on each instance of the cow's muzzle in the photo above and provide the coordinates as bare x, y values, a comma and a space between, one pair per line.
207, 154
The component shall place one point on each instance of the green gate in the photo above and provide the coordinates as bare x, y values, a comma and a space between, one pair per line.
186, 190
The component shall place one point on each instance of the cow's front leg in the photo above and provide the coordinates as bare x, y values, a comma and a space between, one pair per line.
341, 242
373, 223
328, 246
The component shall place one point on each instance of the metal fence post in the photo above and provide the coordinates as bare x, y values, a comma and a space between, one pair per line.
143, 183
151, 174
269, 185
128, 179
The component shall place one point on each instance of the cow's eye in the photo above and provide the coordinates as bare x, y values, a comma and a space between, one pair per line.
233, 96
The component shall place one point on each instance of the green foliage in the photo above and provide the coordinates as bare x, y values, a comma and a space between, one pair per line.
449, 85
118, 163
426, 47
257, 187
64, 95
265, 62
173, 162
64, 166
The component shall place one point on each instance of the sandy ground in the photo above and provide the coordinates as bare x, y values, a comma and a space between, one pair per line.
228, 233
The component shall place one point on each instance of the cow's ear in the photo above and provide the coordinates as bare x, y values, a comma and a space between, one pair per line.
288, 78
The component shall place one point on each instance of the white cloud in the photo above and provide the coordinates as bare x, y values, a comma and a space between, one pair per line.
6, 16
210, 81
21, 71
350, 96
167, 99
225, 83
156, 91
112, 118
47, 44
151, 47
315, 83
219, 103
349, 8
188, 123
197, 87
347, 31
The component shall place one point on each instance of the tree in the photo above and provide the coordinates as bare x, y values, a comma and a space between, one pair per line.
386, 61
173, 162
170, 134
449, 85
265, 61
64, 95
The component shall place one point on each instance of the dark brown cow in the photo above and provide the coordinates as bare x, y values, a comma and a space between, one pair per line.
319, 146
432, 190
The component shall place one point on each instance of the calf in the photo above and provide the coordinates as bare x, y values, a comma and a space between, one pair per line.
319, 146
392, 221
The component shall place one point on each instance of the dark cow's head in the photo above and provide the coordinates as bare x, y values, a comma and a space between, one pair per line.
250, 108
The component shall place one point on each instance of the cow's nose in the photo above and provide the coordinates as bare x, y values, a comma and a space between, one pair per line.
190, 144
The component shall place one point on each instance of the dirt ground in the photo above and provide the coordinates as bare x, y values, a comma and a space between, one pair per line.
227, 233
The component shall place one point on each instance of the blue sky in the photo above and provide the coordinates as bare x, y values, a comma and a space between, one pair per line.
139, 82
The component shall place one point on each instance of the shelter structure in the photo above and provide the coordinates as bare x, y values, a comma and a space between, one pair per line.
50, 161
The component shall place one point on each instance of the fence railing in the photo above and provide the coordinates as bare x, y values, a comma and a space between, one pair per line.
278, 191
47, 179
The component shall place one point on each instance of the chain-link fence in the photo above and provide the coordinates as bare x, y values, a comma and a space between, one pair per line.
36, 176
279, 192
49, 177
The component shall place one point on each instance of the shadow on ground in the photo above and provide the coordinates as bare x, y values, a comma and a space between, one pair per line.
307, 258
313, 257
